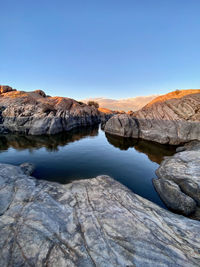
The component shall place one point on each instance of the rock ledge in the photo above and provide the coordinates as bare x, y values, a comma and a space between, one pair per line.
95, 222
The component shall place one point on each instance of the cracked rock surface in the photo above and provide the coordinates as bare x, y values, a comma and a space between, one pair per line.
34, 113
169, 119
182, 173
93, 222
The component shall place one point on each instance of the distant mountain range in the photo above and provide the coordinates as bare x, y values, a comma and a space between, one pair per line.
133, 103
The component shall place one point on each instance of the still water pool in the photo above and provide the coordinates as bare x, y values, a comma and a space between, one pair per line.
86, 153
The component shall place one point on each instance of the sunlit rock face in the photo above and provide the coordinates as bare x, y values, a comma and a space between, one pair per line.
5, 89
34, 113
178, 182
94, 222
173, 118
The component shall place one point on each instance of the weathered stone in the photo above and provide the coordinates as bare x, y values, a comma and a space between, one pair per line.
5, 89
122, 125
27, 168
173, 118
40, 92
95, 222
33, 113
173, 197
184, 170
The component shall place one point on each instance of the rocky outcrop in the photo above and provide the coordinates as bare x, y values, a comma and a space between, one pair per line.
106, 114
36, 114
122, 125
173, 118
95, 222
5, 89
178, 182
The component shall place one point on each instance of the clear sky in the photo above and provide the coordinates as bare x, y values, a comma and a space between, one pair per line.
94, 48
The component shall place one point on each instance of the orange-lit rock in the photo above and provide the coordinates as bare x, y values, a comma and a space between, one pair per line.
5, 89
34, 113
173, 118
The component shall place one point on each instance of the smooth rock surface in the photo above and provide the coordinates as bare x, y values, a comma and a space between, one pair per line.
183, 169
95, 222
173, 197
173, 118
122, 125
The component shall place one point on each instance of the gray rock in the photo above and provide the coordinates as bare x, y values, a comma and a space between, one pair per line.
35, 114
171, 118
27, 168
122, 125
173, 197
183, 169
95, 222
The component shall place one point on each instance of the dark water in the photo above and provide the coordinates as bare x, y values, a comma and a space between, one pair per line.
86, 153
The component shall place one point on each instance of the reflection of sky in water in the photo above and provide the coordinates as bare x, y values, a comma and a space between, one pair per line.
87, 153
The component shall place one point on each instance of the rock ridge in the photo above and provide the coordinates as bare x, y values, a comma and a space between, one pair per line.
34, 113
173, 118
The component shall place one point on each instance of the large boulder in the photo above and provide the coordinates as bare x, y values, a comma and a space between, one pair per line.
94, 222
173, 118
27, 168
173, 197
122, 125
179, 179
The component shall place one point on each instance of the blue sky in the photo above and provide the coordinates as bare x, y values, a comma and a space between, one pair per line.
95, 48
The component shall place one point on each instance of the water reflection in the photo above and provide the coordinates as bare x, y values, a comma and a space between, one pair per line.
85, 153
50, 142
155, 152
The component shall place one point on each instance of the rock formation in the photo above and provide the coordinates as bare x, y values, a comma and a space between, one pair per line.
106, 114
95, 222
5, 89
34, 113
173, 118
178, 182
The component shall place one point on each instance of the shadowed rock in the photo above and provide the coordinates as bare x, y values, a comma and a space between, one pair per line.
95, 222
122, 125
179, 179
173, 197
27, 168
5, 89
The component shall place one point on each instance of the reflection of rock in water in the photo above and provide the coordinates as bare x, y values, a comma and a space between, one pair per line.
121, 142
155, 152
51, 142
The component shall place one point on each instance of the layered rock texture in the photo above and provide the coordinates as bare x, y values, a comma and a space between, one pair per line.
178, 182
95, 222
35, 113
173, 118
